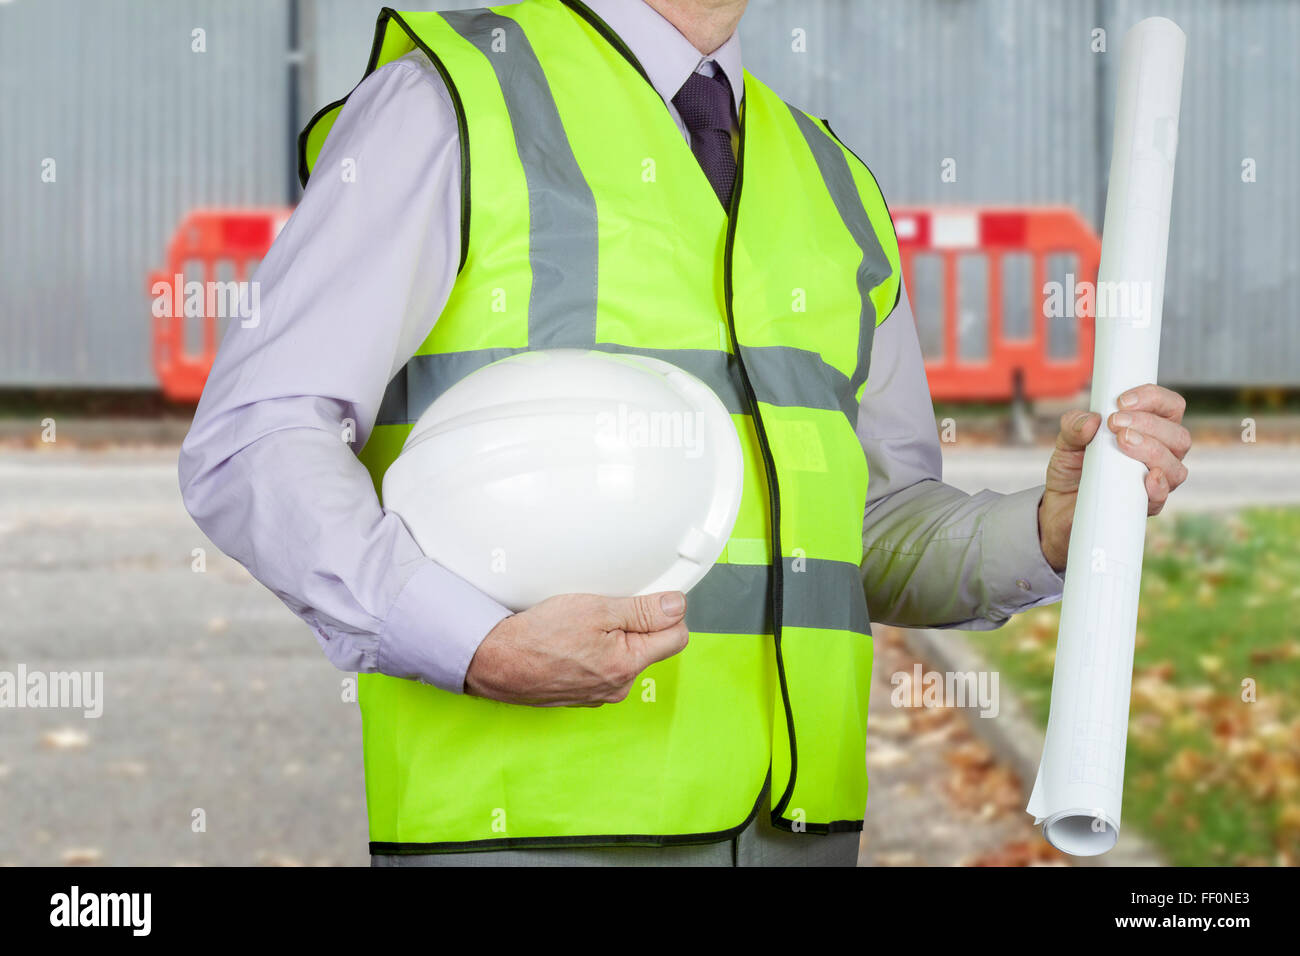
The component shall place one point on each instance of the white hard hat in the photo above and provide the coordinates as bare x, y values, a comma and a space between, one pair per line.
571, 471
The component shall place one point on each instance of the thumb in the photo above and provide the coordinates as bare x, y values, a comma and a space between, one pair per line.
1077, 429
1065, 468
647, 613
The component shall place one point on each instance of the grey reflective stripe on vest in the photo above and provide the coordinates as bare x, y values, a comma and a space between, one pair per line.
790, 377
825, 594
425, 377
562, 210
874, 267
733, 598
563, 255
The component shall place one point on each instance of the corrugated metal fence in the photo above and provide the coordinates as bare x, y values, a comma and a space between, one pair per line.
139, 129
142, 128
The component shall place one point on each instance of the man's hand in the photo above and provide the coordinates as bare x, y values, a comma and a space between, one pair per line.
1149, 427
577, 650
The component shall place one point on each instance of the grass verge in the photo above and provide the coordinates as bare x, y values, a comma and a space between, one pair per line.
1212, 773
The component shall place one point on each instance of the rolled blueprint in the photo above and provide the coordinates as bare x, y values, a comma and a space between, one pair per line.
1078, 792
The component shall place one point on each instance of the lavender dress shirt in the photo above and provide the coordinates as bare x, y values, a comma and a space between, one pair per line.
352, 286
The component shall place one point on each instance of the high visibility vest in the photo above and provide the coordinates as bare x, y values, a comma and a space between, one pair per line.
588, 223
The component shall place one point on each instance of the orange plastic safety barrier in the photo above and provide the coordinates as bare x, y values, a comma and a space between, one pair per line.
1013, 367
205, 239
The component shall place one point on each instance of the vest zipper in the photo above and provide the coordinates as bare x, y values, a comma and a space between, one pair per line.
769, 466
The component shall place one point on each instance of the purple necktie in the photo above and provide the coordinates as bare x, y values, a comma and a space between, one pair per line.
704, 103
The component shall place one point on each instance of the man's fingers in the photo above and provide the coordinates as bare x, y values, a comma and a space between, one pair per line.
1169, 433
1155, 399
1157, 491
1153, 454
1066, 465
1077, 429
647, 613
661, 645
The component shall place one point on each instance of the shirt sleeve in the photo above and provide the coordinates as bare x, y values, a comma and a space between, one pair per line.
351, 287
935, 556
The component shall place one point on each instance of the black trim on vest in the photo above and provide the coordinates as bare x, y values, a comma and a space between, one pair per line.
898, 293
462, 125
820, 829
558, 843
605, 30
376, 45
769, 466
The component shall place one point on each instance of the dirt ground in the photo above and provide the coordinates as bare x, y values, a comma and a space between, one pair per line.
938, 796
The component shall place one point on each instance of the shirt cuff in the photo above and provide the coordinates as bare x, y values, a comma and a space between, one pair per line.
1016, 574
434, 627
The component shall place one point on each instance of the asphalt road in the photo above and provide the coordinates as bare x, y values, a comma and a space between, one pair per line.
225, 737
220, 716
1220, 477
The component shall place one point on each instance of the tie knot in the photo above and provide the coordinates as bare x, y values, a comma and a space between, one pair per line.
704, 102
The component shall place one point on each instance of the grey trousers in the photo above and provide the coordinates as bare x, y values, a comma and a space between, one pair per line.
759, 844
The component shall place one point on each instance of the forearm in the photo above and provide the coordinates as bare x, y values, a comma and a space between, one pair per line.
350, 288
299, 511
935, 556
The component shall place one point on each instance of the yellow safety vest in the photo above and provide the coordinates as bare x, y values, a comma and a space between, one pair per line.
587, 222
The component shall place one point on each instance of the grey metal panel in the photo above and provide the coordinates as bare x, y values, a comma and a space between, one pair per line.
1006, 89
1011, 90
142, 129
1234, 256
1004, 94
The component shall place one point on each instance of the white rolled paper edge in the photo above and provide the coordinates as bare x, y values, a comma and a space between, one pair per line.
1055, 801
1077, 832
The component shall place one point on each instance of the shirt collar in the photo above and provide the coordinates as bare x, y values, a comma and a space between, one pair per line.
668, 57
